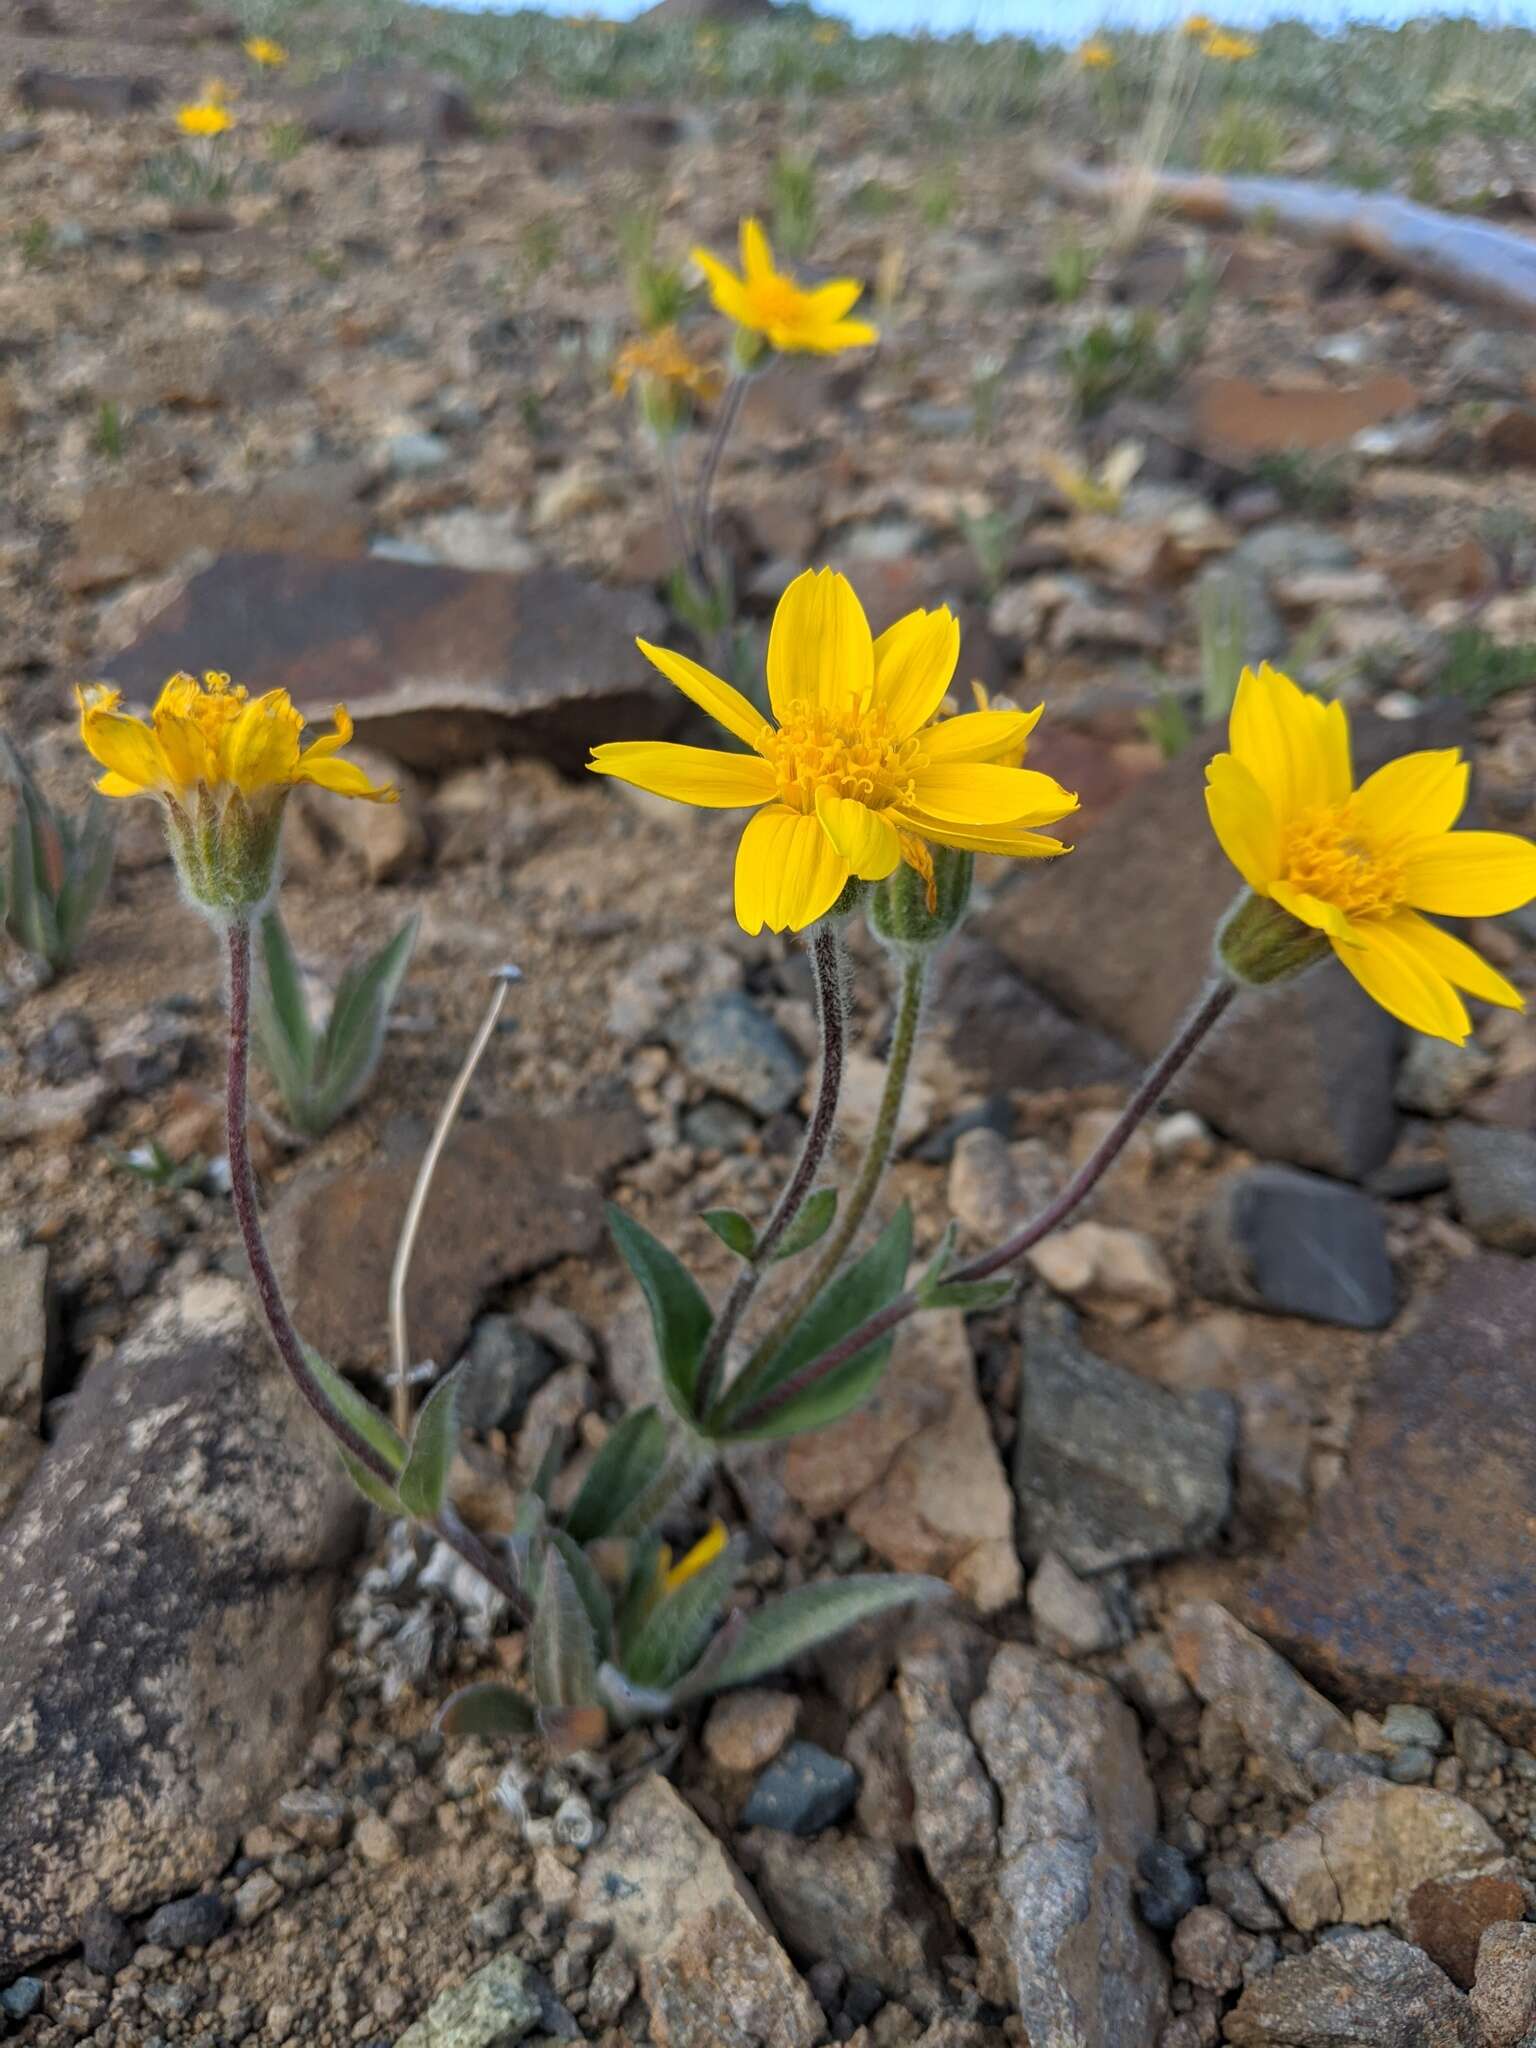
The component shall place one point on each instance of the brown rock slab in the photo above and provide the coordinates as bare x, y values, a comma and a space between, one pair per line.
438, 666
712, 1972
511, 1194
1304, 1075
1448, 1916
164, 1621
105, 97
1240, 417
1413, 1581
370, 104
916, 1472
309, 514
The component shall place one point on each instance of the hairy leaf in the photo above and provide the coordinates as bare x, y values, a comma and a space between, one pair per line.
812, 1223
590, 1588
624, 1470
487, 1709
354, 1034
781, 1630
424, 1482
352, 1408
681, 1623
967, 1295
680, 1316
562, 1649
733, 1231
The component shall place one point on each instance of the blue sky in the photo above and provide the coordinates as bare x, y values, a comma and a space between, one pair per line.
1063, 18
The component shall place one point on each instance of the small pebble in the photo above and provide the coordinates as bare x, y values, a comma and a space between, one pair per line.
105, 1942
1170, 1889
1477, 1747
20, 2000
188, 1923
1402, 1724
1412, 1765
802, 1791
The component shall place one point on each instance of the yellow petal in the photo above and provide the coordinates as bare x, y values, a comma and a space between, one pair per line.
997, 736
864, 838
1469, 874
126, 746
825, 341
725, 706
1244, 821
914, 665
756, 256
1396, 973
1457, 962
113, 784
703, 1553
1414, 795
1312, 910
343, 778
820, 653
714, 780
1295, 746
825, 306
261, 747
972, 793
725, 287
788, 873
330, 742
1016, 841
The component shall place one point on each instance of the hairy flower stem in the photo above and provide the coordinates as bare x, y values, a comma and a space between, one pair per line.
827, 959
1191, 1034
703, 509
269, 1293
877, 1155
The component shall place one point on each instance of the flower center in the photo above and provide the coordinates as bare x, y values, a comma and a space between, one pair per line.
853, 754
776, 300
1328, 855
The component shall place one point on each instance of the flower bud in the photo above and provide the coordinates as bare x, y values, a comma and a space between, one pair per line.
910, 909
1258, 943
226, 845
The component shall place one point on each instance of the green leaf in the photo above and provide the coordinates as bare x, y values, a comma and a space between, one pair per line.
590, 1588
562, 1649
967, 1295
680, 1624
847, 1301
487, 1709
812, 1223
345, 1402
354, 1034
370, 1486
284, 985
424, 1482
733, 1231
88, 872
781, 1630
624, 1469
939, 1264
680, 1316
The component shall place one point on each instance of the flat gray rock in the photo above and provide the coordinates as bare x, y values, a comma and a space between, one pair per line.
1297, 1245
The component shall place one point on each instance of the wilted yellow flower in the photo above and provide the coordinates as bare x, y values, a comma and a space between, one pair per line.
1228, 47
222, 763
1097, 54
849, 777
1104, 492
204, 118
262, 50
769, 302
1355, 868
663, 358
709, 1546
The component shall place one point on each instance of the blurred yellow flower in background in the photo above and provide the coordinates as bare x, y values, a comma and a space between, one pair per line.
770, 303
850, 777
1229, 48
664, 357
262, 50
1358, 867
1096, 54
1198, 25
204, 118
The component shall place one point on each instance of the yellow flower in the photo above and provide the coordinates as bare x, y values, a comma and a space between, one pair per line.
222, 764
1357, 867
262, 50
709, 1546
769, 302
1096, 54
849, 777
663, 358
1105, 492
204, 118
1198, 25
1229, 48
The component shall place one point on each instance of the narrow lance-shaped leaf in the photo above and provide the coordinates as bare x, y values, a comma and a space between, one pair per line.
843, 1305
562, 1650
681, 1622
812, 1223
424, 1482
350, 1045
623, 1470
680, 1316
733, 1231
89, 871
590, 1588
376, 1430
283, 985
968, 1295
783, 1629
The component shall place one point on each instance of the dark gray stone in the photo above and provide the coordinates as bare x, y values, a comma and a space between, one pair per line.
1493, 1174
802, 1791
1356, 1989
1006, 1034
1109, 1468
165, 1619
729, 1044
1297, 1245
715, 1125
1241, 1897
20, 2000
105, 1943
191, 1922
1169, 1888
66, 1051
501, 1371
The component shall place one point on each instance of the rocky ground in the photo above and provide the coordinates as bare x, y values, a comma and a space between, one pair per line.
330, 407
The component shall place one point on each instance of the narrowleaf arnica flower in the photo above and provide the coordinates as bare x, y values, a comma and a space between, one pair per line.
851, 776
222, 763
771, 304
204, 118
1097, 54
1332, 866
661, 365
262, 50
